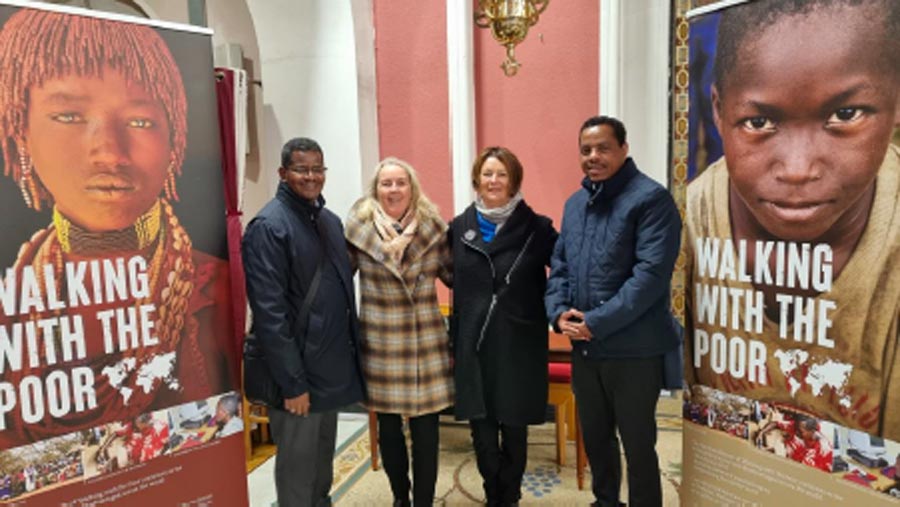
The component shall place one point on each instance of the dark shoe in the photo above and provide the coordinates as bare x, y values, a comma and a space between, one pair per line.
402, 503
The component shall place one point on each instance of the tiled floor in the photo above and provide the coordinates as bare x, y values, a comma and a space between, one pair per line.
261, 482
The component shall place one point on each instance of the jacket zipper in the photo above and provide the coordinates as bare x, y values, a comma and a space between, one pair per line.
487, 320
490, 312
582, 292
519, 257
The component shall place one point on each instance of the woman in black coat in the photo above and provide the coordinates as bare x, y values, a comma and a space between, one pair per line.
501, 249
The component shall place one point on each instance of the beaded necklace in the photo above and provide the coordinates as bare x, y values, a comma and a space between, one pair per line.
171, 268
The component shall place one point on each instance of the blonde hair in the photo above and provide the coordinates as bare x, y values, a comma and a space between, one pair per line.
418, 201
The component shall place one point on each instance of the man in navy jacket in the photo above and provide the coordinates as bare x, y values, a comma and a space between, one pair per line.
609, 291
315, 363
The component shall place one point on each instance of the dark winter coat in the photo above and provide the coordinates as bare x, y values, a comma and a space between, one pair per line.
613, 261
281, 250
498, 326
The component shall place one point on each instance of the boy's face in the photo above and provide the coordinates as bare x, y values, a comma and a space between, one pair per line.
806, 116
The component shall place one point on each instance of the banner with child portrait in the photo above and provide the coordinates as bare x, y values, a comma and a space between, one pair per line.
792, 252
118, 375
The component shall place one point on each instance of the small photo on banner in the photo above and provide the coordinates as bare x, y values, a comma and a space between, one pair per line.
199, 422
870, 461
792, 244
118, 445
30, 469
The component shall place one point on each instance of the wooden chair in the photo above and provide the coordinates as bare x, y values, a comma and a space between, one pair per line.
373, 438
567, 425
252, 414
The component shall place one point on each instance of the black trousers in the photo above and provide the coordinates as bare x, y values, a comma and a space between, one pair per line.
620, 394
303, 464
392, 442
500, 462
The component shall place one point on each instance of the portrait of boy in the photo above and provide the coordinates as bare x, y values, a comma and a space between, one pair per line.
806, 98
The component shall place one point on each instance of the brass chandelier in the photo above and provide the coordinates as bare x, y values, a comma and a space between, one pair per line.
509, 21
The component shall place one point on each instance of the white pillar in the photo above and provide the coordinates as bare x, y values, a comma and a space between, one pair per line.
634, 77
366, 78
610, 57
460, 72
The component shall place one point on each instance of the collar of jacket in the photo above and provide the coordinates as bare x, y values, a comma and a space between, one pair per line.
511, 234
303, 207
361, 233
613, 186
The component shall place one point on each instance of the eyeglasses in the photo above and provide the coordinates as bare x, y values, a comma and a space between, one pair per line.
308, 171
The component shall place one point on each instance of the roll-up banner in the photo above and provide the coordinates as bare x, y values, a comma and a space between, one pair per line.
793, 254
118, 381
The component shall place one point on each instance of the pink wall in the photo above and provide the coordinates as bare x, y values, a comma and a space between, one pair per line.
413, 117
537, 113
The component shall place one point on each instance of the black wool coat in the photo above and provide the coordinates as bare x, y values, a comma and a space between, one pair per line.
499, 325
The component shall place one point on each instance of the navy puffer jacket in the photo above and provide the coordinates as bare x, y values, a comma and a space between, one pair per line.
614, 261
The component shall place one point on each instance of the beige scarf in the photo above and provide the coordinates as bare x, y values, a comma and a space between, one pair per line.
395, 236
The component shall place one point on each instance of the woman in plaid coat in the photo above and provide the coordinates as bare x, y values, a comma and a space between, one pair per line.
398, 242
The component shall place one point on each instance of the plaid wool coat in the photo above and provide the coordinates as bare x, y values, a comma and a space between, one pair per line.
404, 342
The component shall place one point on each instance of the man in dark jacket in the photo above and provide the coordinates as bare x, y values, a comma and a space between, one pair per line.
609, 292
292, 248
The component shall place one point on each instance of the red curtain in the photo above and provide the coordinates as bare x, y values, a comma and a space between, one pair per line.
225, 84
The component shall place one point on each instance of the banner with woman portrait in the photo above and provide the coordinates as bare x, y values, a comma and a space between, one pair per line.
118, 376
793, 254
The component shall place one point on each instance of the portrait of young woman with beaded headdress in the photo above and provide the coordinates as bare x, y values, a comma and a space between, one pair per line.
109, 311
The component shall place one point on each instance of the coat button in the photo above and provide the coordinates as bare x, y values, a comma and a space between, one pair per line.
584, 353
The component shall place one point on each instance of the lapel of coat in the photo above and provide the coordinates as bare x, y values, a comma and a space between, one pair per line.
361, 233
509, 236
471, 231
513, 232
429, 232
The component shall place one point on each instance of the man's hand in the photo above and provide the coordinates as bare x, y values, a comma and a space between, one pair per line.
571, 323
298, 405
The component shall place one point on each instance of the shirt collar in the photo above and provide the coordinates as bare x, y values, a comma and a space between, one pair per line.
612, 186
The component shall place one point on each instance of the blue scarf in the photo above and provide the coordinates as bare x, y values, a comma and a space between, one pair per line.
488, 229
